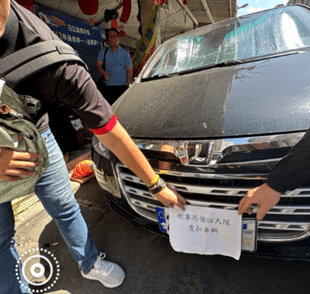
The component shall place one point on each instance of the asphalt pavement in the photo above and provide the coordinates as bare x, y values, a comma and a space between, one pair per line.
151, 265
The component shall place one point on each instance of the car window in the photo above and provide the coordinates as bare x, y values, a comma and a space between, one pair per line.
246, 37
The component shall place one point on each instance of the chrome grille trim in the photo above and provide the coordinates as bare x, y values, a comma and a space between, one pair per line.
144, 204
208, 190
266, 225
249, 162
148, 206
132, 178
137, 192
220, 148
283, 226
288, 210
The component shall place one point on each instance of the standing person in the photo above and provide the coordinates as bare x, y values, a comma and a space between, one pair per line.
117, 67
70, 83
288, 174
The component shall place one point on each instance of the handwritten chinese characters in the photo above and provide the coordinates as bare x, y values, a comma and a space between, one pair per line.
205, 230
204, 224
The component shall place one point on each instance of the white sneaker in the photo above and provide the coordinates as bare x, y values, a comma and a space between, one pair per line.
108, 273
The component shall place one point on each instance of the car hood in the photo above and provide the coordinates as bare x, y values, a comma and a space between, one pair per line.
266, 96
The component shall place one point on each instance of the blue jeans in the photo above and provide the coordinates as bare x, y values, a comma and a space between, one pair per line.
54, 192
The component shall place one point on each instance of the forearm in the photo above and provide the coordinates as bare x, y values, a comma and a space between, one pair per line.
129, 76
120, 143
294, 169
101, 71
99, 68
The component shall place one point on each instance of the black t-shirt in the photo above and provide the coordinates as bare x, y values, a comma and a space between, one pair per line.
68, 82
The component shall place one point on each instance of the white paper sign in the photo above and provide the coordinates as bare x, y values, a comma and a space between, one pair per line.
205, 230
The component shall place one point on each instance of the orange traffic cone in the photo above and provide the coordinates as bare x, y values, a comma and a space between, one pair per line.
83, 171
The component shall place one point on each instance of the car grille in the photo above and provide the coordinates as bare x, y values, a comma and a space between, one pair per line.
216, 187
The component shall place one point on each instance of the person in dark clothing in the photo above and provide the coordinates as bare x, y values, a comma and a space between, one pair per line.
118, 67
288, 174
71, 84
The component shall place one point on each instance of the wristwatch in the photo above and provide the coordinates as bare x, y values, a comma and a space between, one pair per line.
158, 186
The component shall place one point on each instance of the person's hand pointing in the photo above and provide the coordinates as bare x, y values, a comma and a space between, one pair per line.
265, 198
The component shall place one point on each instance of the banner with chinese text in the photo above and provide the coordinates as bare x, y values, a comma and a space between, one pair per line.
71, 30
147, 43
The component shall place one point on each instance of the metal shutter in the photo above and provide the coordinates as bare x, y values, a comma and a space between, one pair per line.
89, 55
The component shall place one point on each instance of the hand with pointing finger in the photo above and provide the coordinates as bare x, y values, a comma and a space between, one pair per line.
265, 198
16, 164
170, 198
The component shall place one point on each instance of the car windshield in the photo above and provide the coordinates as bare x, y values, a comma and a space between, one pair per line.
244, 38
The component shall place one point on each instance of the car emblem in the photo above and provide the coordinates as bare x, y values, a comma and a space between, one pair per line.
197, 153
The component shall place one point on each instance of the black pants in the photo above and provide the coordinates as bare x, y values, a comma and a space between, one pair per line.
111, 93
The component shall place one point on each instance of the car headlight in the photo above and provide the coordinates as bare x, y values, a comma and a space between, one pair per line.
100, 148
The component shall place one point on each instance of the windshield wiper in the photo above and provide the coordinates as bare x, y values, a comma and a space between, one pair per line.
212, 65
220, 64
228, 62
279, 54
159, 76
225, 63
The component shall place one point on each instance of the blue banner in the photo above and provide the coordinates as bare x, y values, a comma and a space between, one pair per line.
71, 30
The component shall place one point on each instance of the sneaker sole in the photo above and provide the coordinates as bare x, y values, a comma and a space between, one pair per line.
104, 284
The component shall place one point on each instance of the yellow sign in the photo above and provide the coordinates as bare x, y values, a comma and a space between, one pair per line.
147, 43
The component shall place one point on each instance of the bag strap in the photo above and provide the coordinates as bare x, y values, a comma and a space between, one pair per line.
25, 63
1, 87
105, 54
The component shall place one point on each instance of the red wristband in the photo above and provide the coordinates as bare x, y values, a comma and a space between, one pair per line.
106, 128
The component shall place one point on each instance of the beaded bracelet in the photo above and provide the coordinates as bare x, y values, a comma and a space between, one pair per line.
153, 181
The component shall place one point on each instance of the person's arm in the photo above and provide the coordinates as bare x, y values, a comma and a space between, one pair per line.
99, 63
78, 91
290, 172
101, 70
128, 64
294, 169
99, 66
129, 75
120, 143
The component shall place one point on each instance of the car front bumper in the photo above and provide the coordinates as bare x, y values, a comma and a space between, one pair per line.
297, 250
